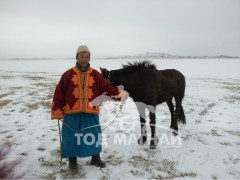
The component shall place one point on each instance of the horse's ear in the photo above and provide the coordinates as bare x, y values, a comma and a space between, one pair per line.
101, 70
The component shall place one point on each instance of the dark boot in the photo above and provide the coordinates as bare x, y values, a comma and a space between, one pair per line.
73, 164
96, 161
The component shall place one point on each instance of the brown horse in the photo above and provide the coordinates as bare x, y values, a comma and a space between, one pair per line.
150, 86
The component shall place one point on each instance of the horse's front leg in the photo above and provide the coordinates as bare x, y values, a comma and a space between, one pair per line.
141, 111
143, 137
154, 139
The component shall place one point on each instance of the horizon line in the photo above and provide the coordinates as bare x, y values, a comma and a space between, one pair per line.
154, 55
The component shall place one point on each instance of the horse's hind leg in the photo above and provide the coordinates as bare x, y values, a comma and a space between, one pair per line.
171, 109
177, 115
141, 110
154, 139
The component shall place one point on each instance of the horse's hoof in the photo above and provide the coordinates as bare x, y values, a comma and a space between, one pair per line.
153, 143
142, 140
175, 133
153, 146
174, 130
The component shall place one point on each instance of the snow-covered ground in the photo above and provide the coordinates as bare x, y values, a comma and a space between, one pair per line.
208, 145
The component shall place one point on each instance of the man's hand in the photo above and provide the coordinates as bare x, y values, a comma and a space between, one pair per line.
123, 95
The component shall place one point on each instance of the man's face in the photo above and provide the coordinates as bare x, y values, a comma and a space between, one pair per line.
83, 59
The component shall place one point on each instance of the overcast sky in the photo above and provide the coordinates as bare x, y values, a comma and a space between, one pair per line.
55, 28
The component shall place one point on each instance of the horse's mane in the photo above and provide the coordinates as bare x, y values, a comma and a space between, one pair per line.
139, 66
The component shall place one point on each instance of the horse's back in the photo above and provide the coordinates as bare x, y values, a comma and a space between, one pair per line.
170, 74
171, 83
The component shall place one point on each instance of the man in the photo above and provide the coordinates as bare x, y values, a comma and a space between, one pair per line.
81, 132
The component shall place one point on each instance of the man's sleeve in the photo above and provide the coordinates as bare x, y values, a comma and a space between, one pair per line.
58, 102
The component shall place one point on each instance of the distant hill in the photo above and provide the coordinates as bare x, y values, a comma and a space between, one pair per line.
148, 55
156, 55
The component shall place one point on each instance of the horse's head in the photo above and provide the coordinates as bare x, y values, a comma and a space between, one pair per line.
105, 73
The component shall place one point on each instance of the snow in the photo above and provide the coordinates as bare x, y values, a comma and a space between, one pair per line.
207, 146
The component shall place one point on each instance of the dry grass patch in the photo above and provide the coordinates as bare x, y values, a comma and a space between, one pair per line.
32, 93
34, 78
16, 88
4, 102
7, 77
232, 98
33, 106
46, 104
205, 111
6, 94
45, 84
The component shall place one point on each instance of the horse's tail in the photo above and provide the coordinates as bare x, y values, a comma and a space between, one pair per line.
182, 118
